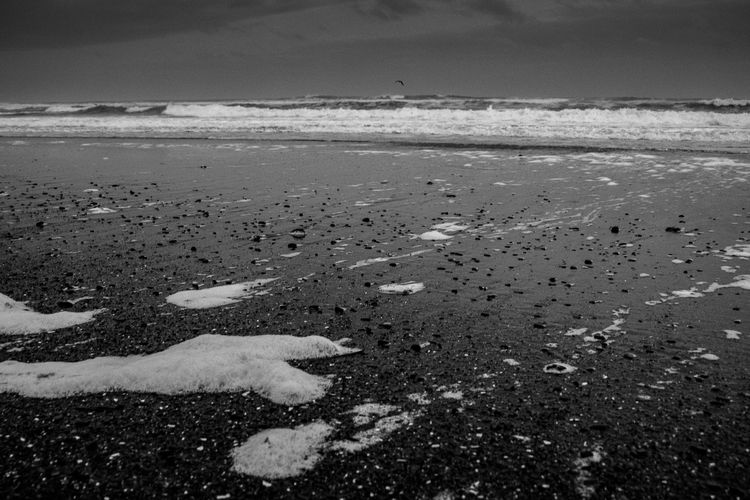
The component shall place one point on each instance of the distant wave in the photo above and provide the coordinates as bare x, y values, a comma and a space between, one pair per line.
387, 102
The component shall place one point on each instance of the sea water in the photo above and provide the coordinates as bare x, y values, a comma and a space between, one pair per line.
679, 124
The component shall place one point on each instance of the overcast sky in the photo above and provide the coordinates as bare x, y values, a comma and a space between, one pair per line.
62, 50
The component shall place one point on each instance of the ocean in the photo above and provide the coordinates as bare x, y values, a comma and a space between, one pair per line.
628, 123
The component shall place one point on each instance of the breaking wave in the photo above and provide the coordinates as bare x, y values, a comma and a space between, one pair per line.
423, 118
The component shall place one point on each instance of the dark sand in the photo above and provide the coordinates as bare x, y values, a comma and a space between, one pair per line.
561, 244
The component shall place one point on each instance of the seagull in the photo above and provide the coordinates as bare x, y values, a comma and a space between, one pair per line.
400, 81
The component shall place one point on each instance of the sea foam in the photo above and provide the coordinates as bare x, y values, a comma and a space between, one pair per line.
218, 295
207, 363
18, 319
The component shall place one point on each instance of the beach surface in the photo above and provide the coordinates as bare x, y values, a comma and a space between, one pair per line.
530, 323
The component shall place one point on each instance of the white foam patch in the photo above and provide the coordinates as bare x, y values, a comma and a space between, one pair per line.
218, 295
454, 394
383, 428
208, 363
614, 329
449, 227
101, 210
559, 368
434, 236
378, 260
280, 453
420, 398
365, 413
290, 255
574, 332
511, 362
742, 281
18, 319
692, 293
742, 251
733, 334
402, 288
729, 269
582, 466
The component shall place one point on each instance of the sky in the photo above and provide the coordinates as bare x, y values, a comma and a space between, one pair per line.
115, 50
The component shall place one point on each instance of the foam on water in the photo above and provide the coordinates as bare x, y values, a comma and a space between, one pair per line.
733, 334
737, 251
101, 210
742, 281
574, 332
218, 295
378, 260
18, 319
364, 413
402, 288
582, 465
434, 236
449, 227
369, 437
559, 368
207, 363
280, 453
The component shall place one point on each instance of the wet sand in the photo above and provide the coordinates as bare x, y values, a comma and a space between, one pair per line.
536, 246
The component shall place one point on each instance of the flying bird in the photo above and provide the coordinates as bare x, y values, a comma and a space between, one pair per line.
401, 82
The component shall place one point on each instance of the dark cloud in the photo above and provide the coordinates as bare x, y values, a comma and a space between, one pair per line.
499, 9
388, 10
54, 23
693, 24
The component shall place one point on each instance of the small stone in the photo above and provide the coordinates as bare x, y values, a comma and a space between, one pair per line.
614, 229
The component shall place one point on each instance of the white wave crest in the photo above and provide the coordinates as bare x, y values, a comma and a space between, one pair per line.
234, 120
719, 102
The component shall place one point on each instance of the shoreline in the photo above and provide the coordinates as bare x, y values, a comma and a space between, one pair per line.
424, 141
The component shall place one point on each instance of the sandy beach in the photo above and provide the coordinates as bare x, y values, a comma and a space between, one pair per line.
524, 323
